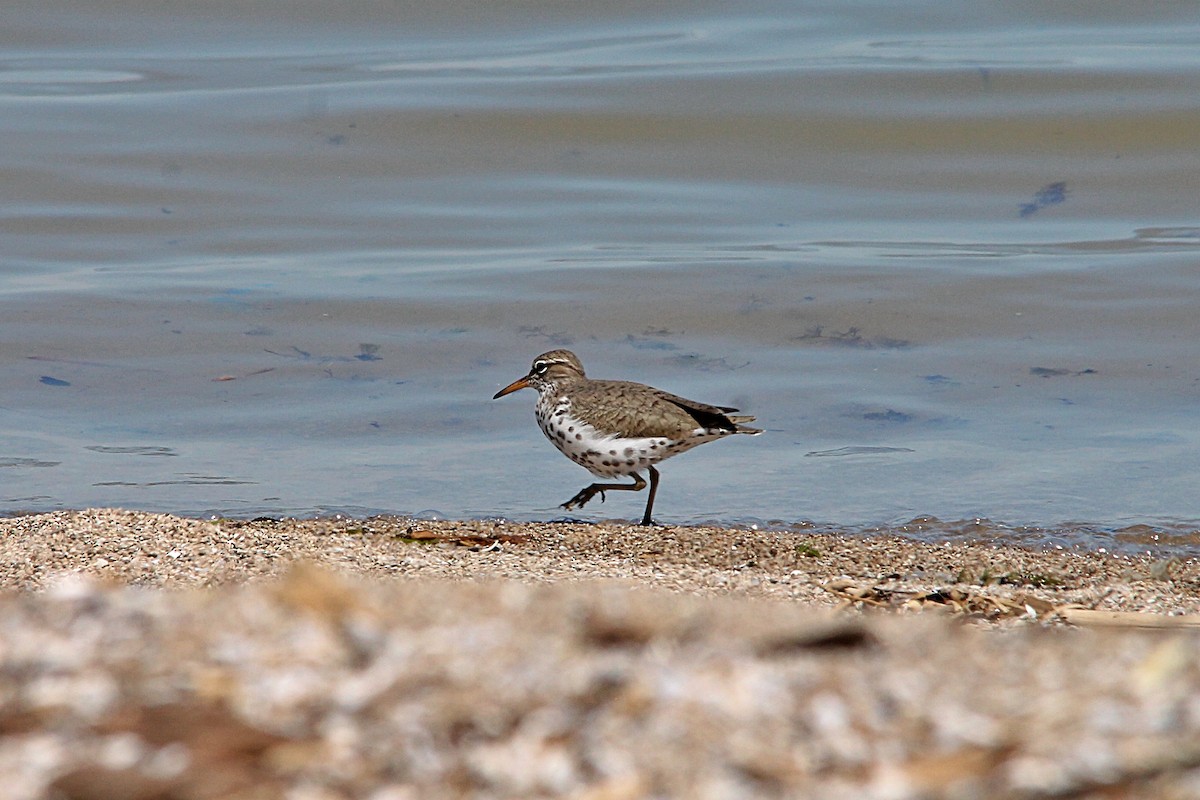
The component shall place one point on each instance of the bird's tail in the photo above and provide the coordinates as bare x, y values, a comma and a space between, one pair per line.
738, 420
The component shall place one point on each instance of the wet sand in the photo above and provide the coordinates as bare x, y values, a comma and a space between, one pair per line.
148, 655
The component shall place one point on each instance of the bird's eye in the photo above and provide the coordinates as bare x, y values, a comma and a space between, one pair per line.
540, 367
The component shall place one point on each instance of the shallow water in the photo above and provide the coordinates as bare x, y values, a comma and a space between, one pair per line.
267, 263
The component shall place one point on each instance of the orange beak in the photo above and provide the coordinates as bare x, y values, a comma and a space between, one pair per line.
519, 383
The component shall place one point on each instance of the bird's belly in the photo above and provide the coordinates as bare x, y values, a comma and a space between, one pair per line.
605, 455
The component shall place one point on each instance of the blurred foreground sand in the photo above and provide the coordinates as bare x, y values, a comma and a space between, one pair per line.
150, 656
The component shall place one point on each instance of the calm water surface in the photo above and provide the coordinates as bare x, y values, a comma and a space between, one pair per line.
271, 259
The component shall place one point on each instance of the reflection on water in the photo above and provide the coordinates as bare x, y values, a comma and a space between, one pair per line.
137, 450
948, 261
857, 451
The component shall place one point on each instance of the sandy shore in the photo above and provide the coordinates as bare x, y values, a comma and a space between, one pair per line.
389, 658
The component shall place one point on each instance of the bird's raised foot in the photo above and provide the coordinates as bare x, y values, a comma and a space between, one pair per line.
585, 494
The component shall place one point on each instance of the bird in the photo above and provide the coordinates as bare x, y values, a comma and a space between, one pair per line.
618, 428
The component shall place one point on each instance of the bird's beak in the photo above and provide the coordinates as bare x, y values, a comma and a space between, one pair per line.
519, 383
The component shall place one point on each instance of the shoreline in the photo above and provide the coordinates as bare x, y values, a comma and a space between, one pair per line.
818, 569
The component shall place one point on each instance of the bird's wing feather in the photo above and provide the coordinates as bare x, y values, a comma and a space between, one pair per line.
646, 411
705, 415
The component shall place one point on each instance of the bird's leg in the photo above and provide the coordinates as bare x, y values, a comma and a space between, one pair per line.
650, 500
588, 492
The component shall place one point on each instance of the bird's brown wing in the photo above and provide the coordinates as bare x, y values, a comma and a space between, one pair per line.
634, 409
706, 416
711, 416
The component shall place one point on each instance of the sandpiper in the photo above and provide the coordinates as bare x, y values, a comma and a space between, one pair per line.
617, 428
